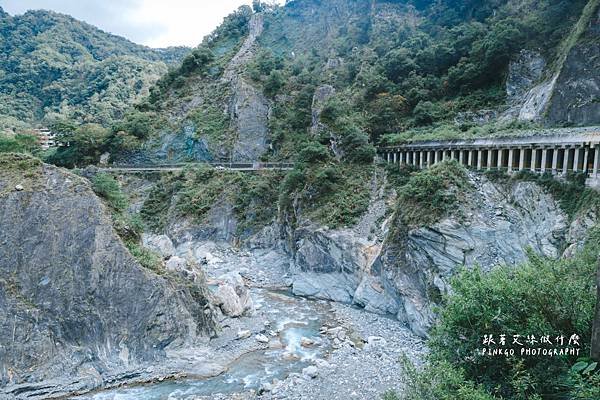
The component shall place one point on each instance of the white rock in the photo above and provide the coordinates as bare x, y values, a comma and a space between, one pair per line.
265, 387
233, 296
311, 372
262, 338
374, 342
19, 188
175, 263
244, 334
322, 363
159, 243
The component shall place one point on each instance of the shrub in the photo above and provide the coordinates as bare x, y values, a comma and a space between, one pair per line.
19, 143
427, 112
108, 188
432, 193
333, 194
356, 147
197, 60
439, 381
313, 153
541, 297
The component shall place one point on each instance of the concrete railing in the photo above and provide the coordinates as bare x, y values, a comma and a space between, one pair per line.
557, 155
254, 166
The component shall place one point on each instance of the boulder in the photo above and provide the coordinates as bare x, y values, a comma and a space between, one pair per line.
175, 264
310, 372
244, 334
260, 338
232, 296
161, 244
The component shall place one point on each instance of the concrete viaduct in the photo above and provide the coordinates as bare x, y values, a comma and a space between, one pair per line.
557, 155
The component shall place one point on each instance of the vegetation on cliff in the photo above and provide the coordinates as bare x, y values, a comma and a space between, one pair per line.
542, 297
128, 226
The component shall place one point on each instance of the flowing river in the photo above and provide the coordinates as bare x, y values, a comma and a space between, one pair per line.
292, 318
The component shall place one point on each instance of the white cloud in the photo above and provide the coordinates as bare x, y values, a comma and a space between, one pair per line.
156, 23
182, 21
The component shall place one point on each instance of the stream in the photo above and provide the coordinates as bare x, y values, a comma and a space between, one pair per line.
291, 317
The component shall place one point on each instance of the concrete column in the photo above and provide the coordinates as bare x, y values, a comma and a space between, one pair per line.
470, 158
544, 157
422, 159
436, 156
576, 160
554, 160
596, 160
566, 154
395, 157
586, 155
428, 161
389, 157
522, 159
533, 158
511, 154
479, 158
490, 154
461, 157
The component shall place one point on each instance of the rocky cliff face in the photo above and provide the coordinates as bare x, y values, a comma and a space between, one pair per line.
391, 268
79, 308
249, 108
571, 91
576, 97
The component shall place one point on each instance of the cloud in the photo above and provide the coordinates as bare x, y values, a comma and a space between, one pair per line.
156, 23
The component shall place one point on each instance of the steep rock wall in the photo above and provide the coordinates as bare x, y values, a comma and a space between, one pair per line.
570, 94
76, 303
391, 268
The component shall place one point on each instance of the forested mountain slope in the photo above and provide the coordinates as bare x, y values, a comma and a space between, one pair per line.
53, 63
347, 72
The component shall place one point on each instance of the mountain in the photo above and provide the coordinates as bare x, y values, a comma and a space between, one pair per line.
52, 63
345, 73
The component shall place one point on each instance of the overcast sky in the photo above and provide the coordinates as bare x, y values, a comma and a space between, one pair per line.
155, 23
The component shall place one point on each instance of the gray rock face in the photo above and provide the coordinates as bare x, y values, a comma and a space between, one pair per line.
576, 97
497, 228
169, 147
77, 305
250, 116
220, 224
405, 273
570, 94
524, 73
245, 53
326, 263
249, 109
322, 94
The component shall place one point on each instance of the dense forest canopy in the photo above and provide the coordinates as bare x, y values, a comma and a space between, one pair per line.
53, 63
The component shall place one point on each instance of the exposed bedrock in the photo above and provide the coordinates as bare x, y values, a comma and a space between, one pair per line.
76, 308
402, 271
